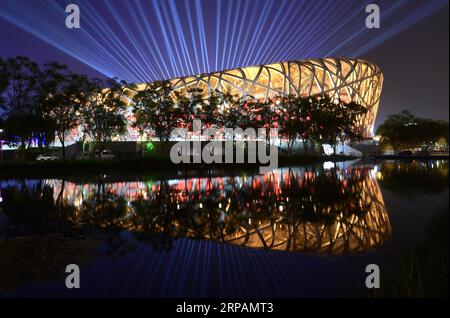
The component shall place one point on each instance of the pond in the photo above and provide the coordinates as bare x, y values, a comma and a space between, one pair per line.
294, 232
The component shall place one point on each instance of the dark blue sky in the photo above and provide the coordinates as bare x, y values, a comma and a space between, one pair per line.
143, 40
415, 65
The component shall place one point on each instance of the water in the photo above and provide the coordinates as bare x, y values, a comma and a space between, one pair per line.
294, 232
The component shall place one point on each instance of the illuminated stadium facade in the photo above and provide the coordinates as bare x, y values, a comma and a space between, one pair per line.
348, 79
345, 79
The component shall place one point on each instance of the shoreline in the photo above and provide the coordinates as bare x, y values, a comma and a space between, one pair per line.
149, 165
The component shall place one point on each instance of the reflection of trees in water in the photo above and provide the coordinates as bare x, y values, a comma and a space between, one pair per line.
104, 209
414, 177
289, 210
37, 235
33, 209
318, 213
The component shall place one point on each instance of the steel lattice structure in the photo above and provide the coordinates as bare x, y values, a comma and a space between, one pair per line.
348, 79
345, 79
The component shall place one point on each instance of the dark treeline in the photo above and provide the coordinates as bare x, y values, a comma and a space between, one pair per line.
404, 131
42, 103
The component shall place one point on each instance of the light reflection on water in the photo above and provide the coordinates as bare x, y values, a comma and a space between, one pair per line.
310, 209
180, 235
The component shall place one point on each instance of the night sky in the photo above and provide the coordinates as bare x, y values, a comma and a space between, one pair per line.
144, 40
415, 66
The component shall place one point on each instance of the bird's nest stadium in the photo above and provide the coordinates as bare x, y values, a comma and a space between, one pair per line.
340, 78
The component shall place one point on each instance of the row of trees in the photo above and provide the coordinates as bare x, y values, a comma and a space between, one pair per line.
319, 119
41, 103
404, 131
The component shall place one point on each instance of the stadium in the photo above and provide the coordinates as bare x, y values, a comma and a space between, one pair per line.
340, 78
346, 79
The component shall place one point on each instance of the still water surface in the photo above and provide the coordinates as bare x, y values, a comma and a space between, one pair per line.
297, 231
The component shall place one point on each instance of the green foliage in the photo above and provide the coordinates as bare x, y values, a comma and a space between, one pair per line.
103, 111
334, 121
44, 102
210, 111
155, 110
405, 131
41, 102
321, 119
61, 99
4, 80
19, 89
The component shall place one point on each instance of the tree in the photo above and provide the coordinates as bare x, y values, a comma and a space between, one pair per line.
326, 120
335, 120
210, 113
443, 133
103, 112
62, 98
396, 130
19, 100
156, 110
294, 119
406, 131
258, 114
238, 112
303, 113
18, 129
233, 113
189, 106
352, 113
429, 132
4, 80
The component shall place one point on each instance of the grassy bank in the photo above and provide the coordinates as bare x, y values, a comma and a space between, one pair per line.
422, 272
149, 164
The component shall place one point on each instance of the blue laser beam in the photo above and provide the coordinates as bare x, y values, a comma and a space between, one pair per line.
141, 40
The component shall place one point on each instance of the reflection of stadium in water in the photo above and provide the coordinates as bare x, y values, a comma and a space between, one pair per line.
289, 209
